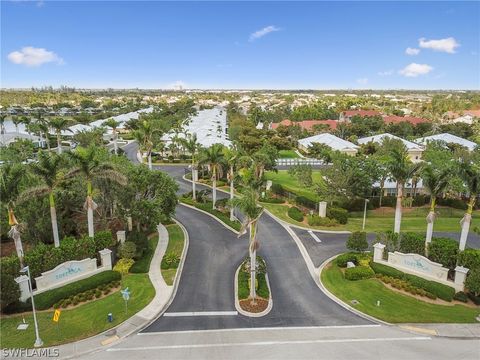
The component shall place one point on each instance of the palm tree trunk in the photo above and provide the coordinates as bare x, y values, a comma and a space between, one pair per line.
91, 231
194, 195
466, 223
214, 193
53, 216
115, 144
398, 208
47, 140
382, 185
150, 160
253, 265
430, 221
59, 143
232, 217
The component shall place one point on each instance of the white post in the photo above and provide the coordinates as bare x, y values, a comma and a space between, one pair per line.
460, 276
90, 220
38, 341
22, 282
121, 236
378, 250
56, 237
398, 209
365, 214
106, 258
465, 229
322, 209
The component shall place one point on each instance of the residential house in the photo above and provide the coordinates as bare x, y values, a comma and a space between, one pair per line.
414, 150
448, 139
334, 142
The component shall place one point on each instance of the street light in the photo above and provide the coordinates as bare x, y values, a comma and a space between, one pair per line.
38, 341
365, 214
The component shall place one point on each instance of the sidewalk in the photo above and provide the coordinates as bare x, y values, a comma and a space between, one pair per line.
141, 319
465, 331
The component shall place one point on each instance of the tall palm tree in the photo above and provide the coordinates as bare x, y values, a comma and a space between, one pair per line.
435, 181
469, 171
231, 157
17, 120
49, 169
401, 169
192, 146
42, 125
145, 135
248, 204
112, 123
59, 125
214, 159
89, 165
3, 116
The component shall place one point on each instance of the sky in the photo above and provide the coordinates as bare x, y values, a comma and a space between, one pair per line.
241, 45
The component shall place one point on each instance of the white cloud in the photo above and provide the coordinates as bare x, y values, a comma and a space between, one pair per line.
412, 51
32, 56
447, 45
386, 73
362, 81
262, 32
414, 70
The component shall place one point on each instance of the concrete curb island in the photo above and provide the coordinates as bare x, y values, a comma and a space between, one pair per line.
211, 215
237, 302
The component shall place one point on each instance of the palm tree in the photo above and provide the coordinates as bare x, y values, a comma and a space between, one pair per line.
49, 169
59, 125
112, 123
192, 146
213, 158
231, 157
42, 125
435, 181
89, 165
17, 120
144, 135
401, 169
248, 204
469, 171
2, 125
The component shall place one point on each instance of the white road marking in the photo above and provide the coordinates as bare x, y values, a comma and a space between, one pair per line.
270, 343
201, 313
315, 237
262, 329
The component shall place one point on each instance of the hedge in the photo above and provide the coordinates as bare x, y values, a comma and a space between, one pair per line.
359, 273
339, 214
443, 251
412, 243
454, 203
470, 258
295, 214
442, 291
277, 189
315, 220
272, 200
305, 202
357, 241
48, 298
142, 265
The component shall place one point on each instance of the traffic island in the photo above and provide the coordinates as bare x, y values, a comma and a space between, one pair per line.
263, 302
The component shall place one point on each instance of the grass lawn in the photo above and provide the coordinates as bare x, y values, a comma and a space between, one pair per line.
291, 184
175, 245
288, 154
380, 220
143, 265
395, 307
81, 322
225, 218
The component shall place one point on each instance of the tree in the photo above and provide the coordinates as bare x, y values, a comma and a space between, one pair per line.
231, 157
59, 125
49, 169
17, 120
146, 134
435, 181
469, 171
303, 174
357, 241
248, 204
214, 159
401, 169
90, 167
192, 146
112, 123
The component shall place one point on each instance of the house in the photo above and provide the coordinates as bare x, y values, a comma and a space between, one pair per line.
397, 119
334, 142
306, 124
465, 116
347, 115
10, 137
414, 150
448, 139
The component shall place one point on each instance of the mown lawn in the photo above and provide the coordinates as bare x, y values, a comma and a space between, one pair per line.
81, 322
175, 245
394, 307
290, 183
287, 154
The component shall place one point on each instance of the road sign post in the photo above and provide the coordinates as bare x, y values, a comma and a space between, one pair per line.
126, 297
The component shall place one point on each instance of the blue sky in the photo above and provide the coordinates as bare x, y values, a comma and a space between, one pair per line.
279, 45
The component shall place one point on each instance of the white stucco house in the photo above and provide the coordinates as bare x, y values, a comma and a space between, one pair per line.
414, 150
448, 139
334, 142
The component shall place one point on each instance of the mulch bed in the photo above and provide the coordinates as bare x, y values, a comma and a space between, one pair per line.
261, 305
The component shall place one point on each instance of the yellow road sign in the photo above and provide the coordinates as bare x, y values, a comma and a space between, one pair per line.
56, 315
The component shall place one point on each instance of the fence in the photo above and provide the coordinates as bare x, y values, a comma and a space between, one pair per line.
293, 162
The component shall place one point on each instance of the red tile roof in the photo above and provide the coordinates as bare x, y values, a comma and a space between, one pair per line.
474, 113
397, 119
350, 113
306, 124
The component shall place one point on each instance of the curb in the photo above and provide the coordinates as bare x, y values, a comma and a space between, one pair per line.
212, 216
237, 302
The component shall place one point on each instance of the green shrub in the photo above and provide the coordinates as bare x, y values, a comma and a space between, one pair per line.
455, 203
306, 202
443, 251
315, 220
412, 243
243, 290
461, 296
272, 200
474, 298
170, 261
295, 214
386, 270
343, 259
359, 273
473, 281
103, 240
262, 290
140, 240
127, 250
357, 241
142, 265
470, 258
46, 299
339, 214
277, 189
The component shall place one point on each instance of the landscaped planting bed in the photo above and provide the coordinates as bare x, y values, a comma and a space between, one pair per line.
173, 253
261, 286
